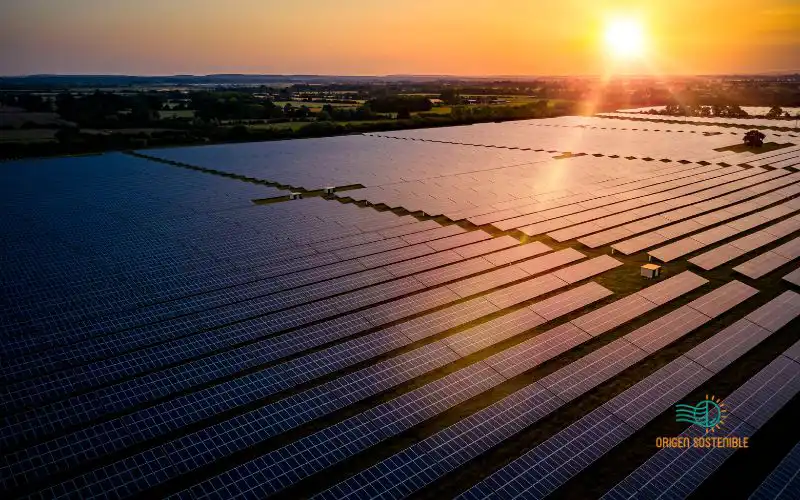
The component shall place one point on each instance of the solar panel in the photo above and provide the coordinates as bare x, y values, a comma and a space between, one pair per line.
370, 248
666, 329
591, 267
550, 261
758, 399
411, 469
605, 237
460, 270
517, 253
680, 248
658, 392
724, 347
486, 281
722, 299
532, 352
423, 263
540, 471
793, 277
570, 301
493, 331
487, 246
667, 290
593, 369
718, 256
761, 265
407, 229
639, 243
433, 234
423, 462
793, 352
526, 290
789, 250
458, 240
451, 317
184, 340
612, 315
783, 482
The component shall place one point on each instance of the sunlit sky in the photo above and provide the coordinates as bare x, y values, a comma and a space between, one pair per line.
379, 37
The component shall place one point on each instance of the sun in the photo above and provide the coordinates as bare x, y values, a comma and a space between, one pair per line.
624, 39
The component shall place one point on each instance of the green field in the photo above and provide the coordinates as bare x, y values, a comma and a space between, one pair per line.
297, 125
28, 135
315, 106
176, 113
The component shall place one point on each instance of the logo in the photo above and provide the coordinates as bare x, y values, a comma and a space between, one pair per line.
709, 413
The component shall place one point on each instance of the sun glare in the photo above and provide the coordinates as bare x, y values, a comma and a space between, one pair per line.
624, 39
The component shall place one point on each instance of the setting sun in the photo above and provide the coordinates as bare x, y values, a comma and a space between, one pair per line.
624, 39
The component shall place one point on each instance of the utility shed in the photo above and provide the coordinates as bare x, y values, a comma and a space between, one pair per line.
651, 271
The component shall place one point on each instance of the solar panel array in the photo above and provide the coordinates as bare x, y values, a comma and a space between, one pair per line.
540, 471
784, 482
676, 472
162, 334
696, 120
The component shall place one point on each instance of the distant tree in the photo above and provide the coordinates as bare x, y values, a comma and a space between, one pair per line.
403, 114
67, 135
323, 116
239, 132
774, 112
393, 104
450, 96
754, 139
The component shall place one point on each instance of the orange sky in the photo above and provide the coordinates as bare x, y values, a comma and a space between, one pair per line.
376, 37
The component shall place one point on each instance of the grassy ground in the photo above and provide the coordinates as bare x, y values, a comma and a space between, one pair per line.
131, 131
28, 135
297, 125
176, 113
315, 107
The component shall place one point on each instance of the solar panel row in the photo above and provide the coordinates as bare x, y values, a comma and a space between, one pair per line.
728, 201
769, 261
196, 406
691, 205
649, 239
547, 466
249, 356
784, 482
332, 395
70, 355
714, 235
661, 197
676, 472
423, 462
613, 193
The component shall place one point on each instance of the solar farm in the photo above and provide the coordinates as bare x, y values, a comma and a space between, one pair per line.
434, 313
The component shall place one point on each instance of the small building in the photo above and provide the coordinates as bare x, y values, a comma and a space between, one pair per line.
651, 271
436, 102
